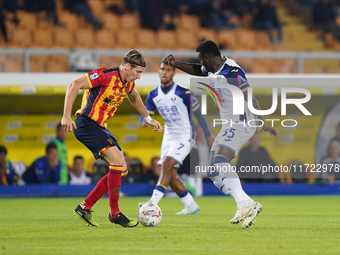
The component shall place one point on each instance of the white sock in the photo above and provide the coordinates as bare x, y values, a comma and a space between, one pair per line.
187, 199
232, 183
220, 185
156, 196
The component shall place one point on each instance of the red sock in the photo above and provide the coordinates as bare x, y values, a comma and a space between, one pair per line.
113, 183
124, 174
99, 191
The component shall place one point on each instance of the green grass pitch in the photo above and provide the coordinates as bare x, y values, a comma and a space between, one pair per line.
288, 225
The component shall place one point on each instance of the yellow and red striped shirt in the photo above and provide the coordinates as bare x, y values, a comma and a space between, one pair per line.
107, 91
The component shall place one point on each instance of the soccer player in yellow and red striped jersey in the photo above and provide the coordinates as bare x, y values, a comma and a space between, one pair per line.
105, 89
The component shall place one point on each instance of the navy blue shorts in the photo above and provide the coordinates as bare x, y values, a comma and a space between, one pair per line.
93, 136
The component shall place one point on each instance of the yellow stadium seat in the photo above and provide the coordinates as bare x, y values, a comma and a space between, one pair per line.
262, 41
70, 20
84, 24
245, 63
42, 38
42, 22
63, 38
104, 39
146, 39
13, 63
84, 38
152, 64
261, 66
57, 64
246, 38
186, 39
21, 38
206, 34
228, 39
126, 39
259, 69
28, 21
107, 61
329, 40
38, 64
111, 21
166, 39
129, 22
189, 22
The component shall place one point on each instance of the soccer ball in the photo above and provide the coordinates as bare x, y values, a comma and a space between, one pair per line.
149, 215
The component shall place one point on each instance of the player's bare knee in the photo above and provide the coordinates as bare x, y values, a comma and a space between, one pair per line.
113, 156
168, 165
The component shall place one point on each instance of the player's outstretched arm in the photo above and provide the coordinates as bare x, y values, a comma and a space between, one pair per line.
256, 105
193, 69
137, 102
71, 94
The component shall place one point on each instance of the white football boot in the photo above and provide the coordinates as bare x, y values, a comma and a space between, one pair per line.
192, 209
241, 214
250, 220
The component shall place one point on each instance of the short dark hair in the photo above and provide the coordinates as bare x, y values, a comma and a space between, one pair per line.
50, 147
135, 58
208, 47
162, 62
3, 150
78, 157
59, 126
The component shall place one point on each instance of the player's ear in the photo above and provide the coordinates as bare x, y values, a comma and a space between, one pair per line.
127, 66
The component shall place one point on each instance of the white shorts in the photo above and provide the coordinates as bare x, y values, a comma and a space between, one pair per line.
232, 138
177, 149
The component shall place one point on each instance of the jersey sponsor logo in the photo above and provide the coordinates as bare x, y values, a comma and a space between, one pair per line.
110, 140
107, 100
188, 92
93, 76
111, 102
234, 70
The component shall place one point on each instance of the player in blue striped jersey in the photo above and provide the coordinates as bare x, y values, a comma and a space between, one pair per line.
175, 104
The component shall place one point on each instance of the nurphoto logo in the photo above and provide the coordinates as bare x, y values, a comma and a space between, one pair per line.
226, 93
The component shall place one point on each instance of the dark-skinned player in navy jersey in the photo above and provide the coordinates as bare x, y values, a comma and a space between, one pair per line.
222, 74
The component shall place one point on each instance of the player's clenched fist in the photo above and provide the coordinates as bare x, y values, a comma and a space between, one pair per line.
170, 60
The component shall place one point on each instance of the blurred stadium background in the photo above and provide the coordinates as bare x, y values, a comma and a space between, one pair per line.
44, 50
